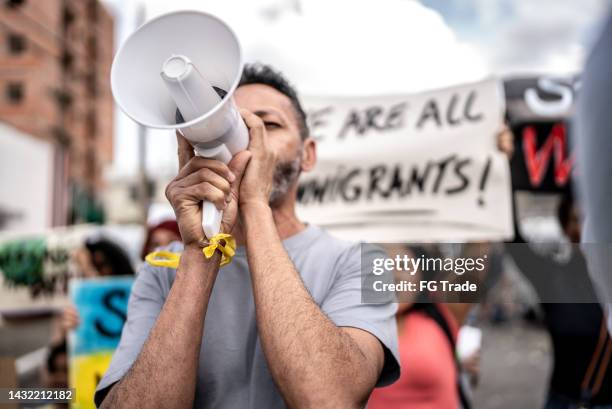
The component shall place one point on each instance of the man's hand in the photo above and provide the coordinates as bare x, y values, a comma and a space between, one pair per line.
201, 179
259, 176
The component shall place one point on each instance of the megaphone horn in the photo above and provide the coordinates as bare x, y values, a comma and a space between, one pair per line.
180, 71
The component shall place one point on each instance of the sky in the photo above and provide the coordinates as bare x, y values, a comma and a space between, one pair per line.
517, 36
368, 47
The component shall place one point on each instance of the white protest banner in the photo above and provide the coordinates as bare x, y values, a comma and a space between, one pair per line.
422, 167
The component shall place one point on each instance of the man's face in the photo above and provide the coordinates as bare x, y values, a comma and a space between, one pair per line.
280, 120
162, 238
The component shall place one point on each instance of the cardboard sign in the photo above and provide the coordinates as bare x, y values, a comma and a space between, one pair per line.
102, 307
421, 167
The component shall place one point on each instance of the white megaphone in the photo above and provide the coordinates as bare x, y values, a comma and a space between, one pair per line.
179, 71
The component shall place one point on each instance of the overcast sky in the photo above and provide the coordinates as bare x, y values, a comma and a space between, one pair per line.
359, 47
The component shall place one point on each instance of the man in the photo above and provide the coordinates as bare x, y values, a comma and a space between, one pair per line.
284, 324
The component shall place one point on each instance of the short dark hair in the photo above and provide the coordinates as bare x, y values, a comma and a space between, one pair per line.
258, 73
114, 256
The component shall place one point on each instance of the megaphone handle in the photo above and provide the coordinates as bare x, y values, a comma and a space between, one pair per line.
211, 219
211, 216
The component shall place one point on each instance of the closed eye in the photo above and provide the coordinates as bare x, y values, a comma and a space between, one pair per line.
271, 125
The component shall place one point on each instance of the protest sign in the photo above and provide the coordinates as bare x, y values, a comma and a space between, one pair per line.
102, 307
539, 109
421, 167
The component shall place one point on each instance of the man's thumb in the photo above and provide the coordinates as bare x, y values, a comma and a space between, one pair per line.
185, 150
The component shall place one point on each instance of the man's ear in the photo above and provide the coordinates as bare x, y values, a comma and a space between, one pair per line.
309, 154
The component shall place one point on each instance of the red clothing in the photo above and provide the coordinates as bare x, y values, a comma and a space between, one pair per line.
170, 225
429, 374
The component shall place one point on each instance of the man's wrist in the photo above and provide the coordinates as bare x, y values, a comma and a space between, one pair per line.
254, 206
193, 254
193, 248
253, 213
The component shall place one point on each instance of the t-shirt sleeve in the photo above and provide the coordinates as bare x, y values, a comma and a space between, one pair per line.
344, 306
145, 304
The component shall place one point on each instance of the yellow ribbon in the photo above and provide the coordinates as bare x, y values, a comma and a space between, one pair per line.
163, 258
223, 242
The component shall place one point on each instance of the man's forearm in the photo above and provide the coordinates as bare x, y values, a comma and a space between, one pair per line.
313, 362
164, 373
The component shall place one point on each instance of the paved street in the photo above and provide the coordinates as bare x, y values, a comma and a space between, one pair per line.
514, 368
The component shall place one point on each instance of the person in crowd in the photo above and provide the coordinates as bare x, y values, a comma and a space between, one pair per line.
160, 235
56, 368
433, 375
284, 325
99, 257
55, 374
581, 374
427, 332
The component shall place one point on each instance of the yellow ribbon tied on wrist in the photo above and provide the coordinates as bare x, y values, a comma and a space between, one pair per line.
224, 242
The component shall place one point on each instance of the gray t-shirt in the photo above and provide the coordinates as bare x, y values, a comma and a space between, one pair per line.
233, 372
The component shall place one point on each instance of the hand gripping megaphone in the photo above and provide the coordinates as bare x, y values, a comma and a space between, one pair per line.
179, 71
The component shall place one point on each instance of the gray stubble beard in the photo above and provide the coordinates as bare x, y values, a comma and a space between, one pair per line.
285, 175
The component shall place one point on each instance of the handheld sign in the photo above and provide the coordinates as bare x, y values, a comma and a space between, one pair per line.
421, 167
539, 110
102, 307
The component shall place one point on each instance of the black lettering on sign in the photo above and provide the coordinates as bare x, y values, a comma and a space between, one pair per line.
469, 106
315, 191
431, 112
447, 176
395, 118
350, 193
377, 174
464, 181
318, 119
108, 300
417, 179
451, 117
455, 113
373, 118
483, 181
441, 171
352, 121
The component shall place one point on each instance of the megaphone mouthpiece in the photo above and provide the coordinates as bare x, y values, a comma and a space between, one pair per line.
175, 67
192, 93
